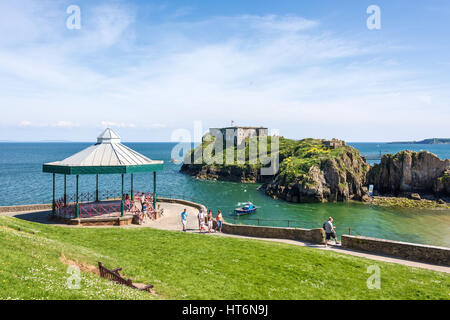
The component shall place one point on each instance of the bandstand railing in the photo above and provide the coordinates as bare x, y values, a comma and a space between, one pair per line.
109, 203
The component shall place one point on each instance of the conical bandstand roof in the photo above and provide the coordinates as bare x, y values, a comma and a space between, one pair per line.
108, 155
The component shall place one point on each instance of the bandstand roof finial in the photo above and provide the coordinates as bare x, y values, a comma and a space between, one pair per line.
108, 136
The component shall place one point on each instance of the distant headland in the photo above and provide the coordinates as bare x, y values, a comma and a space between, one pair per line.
426, 141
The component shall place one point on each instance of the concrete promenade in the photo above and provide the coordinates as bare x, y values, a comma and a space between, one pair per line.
171, 220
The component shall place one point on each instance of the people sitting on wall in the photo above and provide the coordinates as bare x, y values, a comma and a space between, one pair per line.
127, 202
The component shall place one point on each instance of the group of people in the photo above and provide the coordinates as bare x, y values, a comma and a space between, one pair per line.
207, 221
204, 221
144, 200
146, 211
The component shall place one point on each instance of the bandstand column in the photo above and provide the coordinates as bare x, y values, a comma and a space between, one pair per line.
132, 191
154, 190
96, 188
65, 189
77, 206
53, 202
121, 201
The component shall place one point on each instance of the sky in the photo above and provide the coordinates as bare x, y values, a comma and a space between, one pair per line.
152, 69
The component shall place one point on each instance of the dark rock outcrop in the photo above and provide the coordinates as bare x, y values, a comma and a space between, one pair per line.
442, 184
411, 172
244, 174
335, 179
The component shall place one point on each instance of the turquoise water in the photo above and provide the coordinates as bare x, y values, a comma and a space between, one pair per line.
22, 182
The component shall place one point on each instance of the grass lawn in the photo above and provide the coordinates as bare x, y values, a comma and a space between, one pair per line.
191, 266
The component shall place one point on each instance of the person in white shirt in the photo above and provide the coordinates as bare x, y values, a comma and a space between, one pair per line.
201, 220
329, 231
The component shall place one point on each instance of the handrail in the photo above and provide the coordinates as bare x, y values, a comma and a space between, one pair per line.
109, 195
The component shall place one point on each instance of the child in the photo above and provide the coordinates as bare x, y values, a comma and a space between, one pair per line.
210, 220
202, 226
201, 218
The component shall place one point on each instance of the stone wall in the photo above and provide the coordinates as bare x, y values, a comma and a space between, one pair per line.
410, 251
309, 235
185, 202
27, 207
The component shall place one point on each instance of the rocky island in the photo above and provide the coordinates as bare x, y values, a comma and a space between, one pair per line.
318, 170
311, 170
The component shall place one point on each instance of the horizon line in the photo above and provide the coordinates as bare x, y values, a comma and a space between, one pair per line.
80, 141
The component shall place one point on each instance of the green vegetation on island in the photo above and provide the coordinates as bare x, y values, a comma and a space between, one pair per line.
182, 266
310, 170
317, 170
402, 202
296, 157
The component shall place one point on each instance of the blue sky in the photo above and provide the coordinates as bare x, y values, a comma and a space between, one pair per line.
149, 68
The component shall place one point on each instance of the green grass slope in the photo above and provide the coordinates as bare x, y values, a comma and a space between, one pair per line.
191, 266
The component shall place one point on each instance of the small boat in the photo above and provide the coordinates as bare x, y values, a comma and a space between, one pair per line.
247, 208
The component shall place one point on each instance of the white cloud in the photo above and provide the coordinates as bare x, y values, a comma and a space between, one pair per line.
65, 124
25, 123
117, 124
274, 70
278, 23
155, 126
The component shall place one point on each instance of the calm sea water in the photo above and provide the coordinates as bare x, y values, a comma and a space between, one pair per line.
22, 182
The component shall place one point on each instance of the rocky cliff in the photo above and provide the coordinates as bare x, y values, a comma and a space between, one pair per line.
341, 177
407, 171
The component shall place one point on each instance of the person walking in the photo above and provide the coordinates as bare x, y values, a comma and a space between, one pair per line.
219, 220
201, 219
184, 215
210, 220
329, 231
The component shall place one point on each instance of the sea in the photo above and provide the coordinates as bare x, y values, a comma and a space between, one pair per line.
23, 182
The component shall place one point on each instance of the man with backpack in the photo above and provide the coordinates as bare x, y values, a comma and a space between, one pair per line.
329, 231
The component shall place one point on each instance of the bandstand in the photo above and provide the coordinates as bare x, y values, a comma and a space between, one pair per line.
107, 156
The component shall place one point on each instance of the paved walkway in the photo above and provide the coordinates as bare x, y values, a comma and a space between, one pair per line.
171, 220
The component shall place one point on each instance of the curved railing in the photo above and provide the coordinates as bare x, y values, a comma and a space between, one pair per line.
91, 204
111, 208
